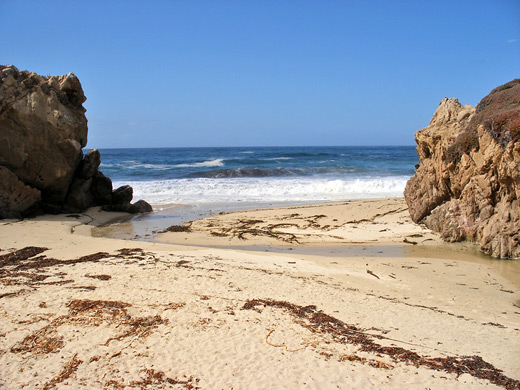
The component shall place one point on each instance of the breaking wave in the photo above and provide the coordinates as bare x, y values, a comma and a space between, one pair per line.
247, 172
218, 162
265, 189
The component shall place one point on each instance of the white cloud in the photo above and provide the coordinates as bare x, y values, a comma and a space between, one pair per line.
512, 40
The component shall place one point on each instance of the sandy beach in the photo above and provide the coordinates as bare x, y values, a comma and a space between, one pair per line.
348, 295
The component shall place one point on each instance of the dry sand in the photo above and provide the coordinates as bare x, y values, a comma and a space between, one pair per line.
101, 313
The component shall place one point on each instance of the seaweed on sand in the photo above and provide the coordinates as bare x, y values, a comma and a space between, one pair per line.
66, 372
318, 322
154, 378
88, 313
17, 256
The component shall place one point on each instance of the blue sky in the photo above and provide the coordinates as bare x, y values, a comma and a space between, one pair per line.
263, 73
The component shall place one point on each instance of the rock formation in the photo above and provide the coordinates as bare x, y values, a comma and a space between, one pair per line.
43, 129
467, 183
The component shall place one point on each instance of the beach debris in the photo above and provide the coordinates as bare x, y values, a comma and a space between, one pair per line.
280, 345
87, 312
14, 293
371, 362
19, 255
407, 241
137, 253
371, 273
154, 379
245, 228
217, 234
318, 322
178, 229
174, 305
44, 341
85, 288
99, 277
44, 262
182, 263
71, 366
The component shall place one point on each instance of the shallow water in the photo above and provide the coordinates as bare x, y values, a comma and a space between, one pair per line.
509, 269
145, 227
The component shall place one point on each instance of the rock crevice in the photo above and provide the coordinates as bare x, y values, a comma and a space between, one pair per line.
467, 183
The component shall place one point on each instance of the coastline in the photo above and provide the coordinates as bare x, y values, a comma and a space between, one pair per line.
231, 314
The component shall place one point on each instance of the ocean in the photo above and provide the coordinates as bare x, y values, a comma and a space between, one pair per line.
260, 175
184, 184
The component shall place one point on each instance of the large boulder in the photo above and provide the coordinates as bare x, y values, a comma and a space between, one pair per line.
16, 198
43, 129
467, 184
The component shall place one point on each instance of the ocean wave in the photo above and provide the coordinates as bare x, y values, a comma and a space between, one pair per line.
135, 165
107, 165
296, 189
247, 172
218, 162
161, 167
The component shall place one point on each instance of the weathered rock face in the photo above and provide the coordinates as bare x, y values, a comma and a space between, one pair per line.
467, 184
43, 129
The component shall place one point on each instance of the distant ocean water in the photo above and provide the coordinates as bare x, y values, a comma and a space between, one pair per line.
196, 176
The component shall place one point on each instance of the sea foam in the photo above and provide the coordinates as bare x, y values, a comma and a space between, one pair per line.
218, 162
276, 190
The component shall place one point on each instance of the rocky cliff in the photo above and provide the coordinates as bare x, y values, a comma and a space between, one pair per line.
467, 183
43, 129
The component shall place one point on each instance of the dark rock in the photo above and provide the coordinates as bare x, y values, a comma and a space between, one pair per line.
51, 208
140, 206
90, 164
122, 195
101, 189
43, 129
80, 198
16, 198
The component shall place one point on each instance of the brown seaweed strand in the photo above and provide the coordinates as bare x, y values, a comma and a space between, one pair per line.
20, 255
319, 322
65, 373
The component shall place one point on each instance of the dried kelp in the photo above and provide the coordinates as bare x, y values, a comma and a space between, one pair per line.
88, 313
13, 294
139, 327
44, 262
20, 255
25, 267
250, 227
91, 312
44, 341
132, 253
65, 373
84, 288
154, 379
99, 277
318, 322
371, 362
177, 229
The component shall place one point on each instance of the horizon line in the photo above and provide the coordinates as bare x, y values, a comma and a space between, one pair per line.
258, 146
